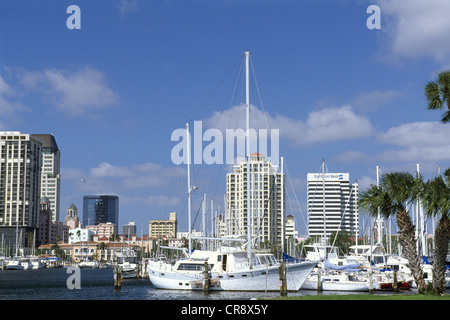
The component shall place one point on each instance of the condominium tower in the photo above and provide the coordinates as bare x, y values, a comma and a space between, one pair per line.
332, 204
266, 199
50, 176
20, 173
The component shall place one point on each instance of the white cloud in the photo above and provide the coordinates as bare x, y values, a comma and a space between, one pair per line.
326, 125
72, 92
416, 28
146, 175
8, 107
418, 141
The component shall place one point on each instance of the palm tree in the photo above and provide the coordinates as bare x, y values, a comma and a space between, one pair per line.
436, 200
390, 199
437, 93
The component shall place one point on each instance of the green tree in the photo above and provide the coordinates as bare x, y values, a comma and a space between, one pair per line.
390, 199
437, 94
436, 199
341, 240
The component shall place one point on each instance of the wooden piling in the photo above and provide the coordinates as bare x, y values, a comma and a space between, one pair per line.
206, 280
282, 276
319, 280
395, 285
117, 277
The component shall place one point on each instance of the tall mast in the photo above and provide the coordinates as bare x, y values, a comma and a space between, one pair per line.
247, 133
282, 207
188, 161
379, 220
323, 207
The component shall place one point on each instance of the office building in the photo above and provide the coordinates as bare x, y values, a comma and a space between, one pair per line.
50, 172
332, 204
20, 174
267, 198
129, 229
101, 209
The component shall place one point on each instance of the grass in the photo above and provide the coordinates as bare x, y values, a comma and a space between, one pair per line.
379, 297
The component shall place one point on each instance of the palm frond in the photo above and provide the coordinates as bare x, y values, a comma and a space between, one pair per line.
432, 95
446, 117
399, 186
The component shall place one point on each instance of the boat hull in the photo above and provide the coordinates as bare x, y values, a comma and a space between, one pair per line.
258, 279
337, 286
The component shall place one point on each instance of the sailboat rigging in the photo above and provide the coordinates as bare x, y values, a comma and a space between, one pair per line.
229, 268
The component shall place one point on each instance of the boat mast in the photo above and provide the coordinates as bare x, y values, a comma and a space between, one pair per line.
323, 208
188, 161
247, 132
282, 207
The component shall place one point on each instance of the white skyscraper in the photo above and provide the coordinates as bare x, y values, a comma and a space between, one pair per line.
20, 172
266, 200
332, 204
50, 176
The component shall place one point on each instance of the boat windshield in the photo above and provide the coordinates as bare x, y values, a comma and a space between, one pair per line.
193, 267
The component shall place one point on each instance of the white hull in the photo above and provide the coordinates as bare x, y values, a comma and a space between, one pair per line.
258, 279
337, 286
14, 267
129, 270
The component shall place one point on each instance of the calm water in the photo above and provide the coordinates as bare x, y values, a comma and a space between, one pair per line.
98, 284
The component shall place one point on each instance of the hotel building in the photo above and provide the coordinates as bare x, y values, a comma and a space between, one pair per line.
163, 228
332, 204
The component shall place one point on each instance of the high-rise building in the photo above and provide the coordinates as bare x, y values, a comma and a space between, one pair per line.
20, 174
266, 198
129, 229
50, 174
332, 204
101, 209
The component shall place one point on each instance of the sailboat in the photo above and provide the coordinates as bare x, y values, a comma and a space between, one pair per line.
228, 268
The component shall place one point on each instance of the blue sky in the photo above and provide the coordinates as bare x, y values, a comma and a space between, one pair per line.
113, 91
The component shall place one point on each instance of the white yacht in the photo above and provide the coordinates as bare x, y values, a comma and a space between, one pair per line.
36, 263
14, 265
228, 269
128, 261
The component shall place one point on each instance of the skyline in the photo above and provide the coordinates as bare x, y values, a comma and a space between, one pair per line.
113, 92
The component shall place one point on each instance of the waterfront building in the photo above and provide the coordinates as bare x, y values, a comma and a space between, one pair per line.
267, 199
20, 173
332, 204
101, 209
72, 220
163, 228
50, 172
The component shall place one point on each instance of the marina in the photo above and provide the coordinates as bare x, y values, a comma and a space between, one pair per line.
97, 284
